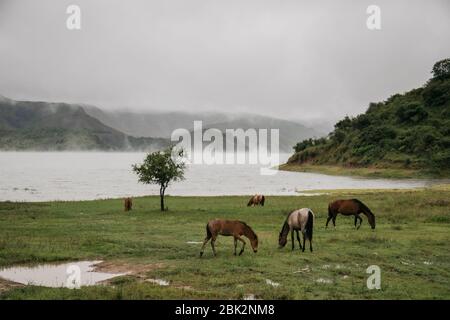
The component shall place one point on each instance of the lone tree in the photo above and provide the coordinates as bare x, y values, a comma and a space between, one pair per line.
161, 167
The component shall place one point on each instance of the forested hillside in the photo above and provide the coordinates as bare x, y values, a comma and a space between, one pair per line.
410, 130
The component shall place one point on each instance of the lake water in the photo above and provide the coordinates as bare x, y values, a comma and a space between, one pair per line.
43, 176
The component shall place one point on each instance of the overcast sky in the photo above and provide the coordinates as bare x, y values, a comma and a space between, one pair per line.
291, 59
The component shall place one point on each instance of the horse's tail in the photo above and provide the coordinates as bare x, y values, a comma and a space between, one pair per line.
250, 202
262, 200
208, 232
309, 225
330, 211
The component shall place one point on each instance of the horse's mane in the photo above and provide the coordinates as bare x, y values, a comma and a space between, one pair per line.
250, 229
285, 227
363, 206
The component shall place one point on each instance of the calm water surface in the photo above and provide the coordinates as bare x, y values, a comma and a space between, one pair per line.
43, 176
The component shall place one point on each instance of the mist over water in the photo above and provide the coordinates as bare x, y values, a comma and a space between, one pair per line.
45, 176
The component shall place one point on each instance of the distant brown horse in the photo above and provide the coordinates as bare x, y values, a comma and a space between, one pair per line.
127, 204
229, 228
348, 208
301, 219
257, 199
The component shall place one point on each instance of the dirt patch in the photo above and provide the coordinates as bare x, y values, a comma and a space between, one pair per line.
138, 270
6, 285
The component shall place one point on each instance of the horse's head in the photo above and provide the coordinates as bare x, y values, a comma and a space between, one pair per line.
282, 240
254, 244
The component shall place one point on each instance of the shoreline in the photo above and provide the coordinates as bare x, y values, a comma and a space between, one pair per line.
375, 173
444, 186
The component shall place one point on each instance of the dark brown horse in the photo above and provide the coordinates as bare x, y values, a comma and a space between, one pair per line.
301, 219
350, 207
257, 199
127, 204
229, 228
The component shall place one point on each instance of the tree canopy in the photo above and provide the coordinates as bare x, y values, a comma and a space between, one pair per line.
161, 168
441, 69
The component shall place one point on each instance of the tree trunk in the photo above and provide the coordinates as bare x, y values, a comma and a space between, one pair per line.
161, 195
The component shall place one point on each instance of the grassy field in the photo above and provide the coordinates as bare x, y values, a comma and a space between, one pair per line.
370, 172
410, 244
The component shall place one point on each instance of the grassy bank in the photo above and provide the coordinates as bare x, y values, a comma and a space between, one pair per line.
410, 245
370, 172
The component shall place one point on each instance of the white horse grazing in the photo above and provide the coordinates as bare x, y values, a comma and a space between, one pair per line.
301, 219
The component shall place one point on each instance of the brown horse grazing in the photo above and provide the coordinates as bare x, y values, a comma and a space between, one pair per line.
348, 208
229, 228
301, 219
127, 204
257, 199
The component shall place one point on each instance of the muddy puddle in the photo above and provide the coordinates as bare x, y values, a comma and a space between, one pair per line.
68, 275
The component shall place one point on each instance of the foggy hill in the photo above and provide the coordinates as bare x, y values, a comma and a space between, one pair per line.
27, 125
160, 124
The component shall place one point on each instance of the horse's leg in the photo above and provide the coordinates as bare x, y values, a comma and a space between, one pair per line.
292, 238
328, 220
304, 237
334, 221
213, 239
298, 239
360, 221
235, 245
356, 219
310, 245
243, 244
204, 244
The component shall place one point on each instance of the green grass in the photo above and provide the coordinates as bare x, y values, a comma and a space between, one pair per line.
370, 172
413, 227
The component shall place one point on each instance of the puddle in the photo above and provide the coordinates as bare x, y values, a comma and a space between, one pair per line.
249, 297
427, 263
310, 194
322, 280
306, 269
194, 242
271, 283
161, 282
68, 275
